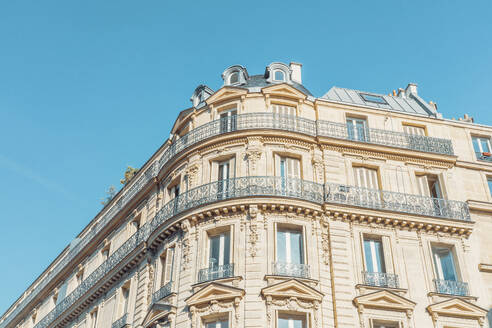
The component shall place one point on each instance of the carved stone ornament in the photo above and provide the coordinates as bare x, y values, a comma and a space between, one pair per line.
192, 173
292, 295
215, 298
253, 154
253, 230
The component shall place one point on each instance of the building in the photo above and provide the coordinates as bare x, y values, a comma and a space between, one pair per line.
270, 207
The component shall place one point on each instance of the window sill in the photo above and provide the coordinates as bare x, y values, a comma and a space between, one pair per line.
483, 267
441, 297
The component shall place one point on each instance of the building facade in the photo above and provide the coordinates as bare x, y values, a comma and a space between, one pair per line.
269, 207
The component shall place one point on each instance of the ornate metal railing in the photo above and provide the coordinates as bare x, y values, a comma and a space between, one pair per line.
121, 322
216, 272
225, 125
247, 187
381, 279
395, 201
162, 292
291, 269
451, 287
385, 137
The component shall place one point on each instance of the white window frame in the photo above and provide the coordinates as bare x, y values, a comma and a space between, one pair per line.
353, 122
165, 273
238, 78
219, 232
376, 323
274, 77
410, 129
303, 316
480, 138
437, 267
231, 124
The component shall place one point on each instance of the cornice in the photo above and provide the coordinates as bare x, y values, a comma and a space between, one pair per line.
479, 206
482, 166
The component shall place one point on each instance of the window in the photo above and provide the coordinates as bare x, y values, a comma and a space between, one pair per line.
414, 130
167, 262
279, 76
288, 170
219, 250
373, 98
489, 182
384, 324
290, 246
429, 186
374, 256
283, 109
94, 319
444, 262
217, 323
357, 129
123, 300
234, 78
482, 147
224, 174
366, 177
228, 121
291, 321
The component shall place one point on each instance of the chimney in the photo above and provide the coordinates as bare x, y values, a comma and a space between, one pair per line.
411, 89
296, 72
401, 93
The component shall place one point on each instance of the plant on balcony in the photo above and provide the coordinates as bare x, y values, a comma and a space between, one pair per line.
109, 195
129, 174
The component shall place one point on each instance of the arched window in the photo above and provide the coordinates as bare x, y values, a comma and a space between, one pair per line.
234, 78
278, 76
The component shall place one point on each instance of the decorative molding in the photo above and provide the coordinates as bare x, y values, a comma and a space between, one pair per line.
484, 267
253, 227
457, 308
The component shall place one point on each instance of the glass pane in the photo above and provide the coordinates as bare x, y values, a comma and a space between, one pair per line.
214, 251
281, 247
296, 247
283, 323
373, 250
290, 323
447, 264
485, 145
378, 245
279, 76
368, 254
234, 78
227, 248
476, 146
490, 185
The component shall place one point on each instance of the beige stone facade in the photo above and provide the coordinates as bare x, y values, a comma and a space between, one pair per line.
269, 207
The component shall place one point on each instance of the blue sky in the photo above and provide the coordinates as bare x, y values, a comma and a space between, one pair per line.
89, 87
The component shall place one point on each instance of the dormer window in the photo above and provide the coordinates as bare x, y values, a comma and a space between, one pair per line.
234, 78
279, 76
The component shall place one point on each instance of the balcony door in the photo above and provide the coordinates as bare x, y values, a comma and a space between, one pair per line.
429, 186
289, 171
219, 250
290, 246
228, 121
374, 255
284, 116
368, 181
225, 171
445, 264
357, 129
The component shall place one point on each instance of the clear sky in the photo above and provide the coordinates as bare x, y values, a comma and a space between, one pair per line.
89, 87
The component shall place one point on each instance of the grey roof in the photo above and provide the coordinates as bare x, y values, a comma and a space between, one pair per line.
408, 103
256, 82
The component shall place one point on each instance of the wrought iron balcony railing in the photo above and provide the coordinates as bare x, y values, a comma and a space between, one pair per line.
121, 322
257, 186
380, 279
395, 201
216, 272
249, 121
385, 138
291, 269
451, 287
162, 292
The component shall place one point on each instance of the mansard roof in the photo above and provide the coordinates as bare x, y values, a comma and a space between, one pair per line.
407, 101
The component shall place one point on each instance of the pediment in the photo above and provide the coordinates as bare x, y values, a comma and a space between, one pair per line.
214, 292
226, 93
456, 307
157, 312
292, 288
386, 300
284, 90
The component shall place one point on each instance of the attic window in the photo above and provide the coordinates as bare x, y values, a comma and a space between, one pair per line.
373, 98
278, 76
234, 78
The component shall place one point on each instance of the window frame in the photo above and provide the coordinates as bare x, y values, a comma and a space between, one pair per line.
213, 318
356, 118
304, 316
377, 170
384, 323
479, 143
210, 233
363, 96
278, 226
235, 73
274, 77
412, 125
452, 249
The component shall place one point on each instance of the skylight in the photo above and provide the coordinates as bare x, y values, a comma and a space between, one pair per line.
373, 98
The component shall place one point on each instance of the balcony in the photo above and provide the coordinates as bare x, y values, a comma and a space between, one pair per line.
162, 292
385, 138
121, 322
395, 201
380, 279
291, 269
451, 287
216, 272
